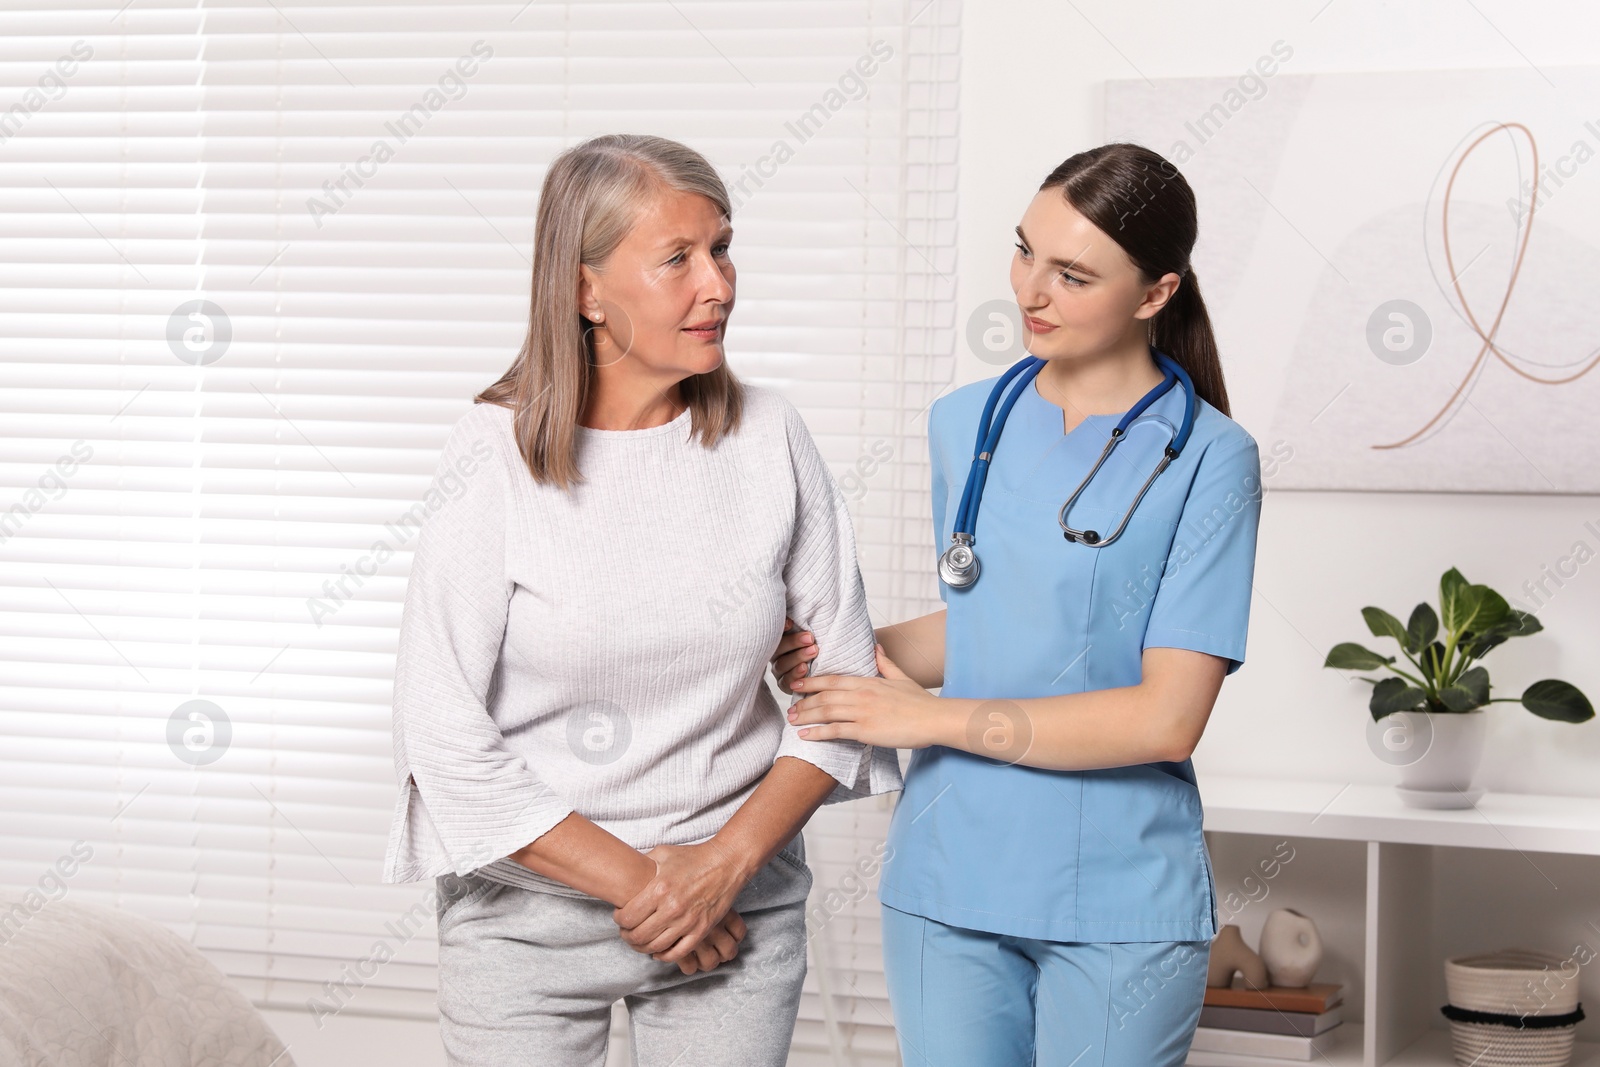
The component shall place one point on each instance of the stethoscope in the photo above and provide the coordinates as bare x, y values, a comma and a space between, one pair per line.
958, 565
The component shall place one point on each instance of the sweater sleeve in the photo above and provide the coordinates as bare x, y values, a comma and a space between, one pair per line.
826, 596
483, 801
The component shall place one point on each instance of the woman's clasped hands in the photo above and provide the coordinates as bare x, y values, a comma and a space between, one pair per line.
684, 914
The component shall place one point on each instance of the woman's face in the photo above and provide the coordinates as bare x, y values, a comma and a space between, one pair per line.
666, 292
1078, 291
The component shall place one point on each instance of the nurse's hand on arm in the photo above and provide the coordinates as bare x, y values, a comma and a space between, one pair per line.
1157, 720
918, 644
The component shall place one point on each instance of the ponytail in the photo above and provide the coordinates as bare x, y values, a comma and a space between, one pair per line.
1182, 329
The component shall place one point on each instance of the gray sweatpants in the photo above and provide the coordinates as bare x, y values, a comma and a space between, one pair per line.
528, 978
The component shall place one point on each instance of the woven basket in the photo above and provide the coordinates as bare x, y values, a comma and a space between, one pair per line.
1487, 1045
1511, 982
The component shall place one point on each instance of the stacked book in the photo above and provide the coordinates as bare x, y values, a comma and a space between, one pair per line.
1243, 1027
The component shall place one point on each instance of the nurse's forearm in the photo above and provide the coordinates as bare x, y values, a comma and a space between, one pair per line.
917, 647
1100, 728
1159, 719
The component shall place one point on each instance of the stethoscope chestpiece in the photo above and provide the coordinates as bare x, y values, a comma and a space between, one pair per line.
958, 564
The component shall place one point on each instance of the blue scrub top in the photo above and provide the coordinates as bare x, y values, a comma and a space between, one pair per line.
1114, 854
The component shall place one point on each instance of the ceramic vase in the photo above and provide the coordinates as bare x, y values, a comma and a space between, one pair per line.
1229, 953
1291, 948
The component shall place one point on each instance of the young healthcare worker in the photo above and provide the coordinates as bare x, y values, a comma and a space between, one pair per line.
1047, 895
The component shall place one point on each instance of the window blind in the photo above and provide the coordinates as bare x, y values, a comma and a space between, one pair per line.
257, 259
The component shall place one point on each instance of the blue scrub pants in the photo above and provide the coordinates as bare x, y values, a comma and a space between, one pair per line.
970, 998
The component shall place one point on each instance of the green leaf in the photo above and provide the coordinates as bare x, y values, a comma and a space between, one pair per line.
1469, 607
1476, 646
1516, 623
1382, 624
1524, 623
1349, 656
1471, 690
1392, 695
1492, 610
1476, 682
1422, 629
1464, 608
1451, 606
1555, 699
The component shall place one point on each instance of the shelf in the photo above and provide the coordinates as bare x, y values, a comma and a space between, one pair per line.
1399, 983
1350, 812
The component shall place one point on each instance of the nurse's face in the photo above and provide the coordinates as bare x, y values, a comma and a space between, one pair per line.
1079, 293
666, 292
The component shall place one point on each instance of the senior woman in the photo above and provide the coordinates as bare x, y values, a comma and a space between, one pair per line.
590, 761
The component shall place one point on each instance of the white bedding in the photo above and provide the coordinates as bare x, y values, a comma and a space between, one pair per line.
85, 986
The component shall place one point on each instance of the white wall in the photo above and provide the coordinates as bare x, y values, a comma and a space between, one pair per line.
1031, 95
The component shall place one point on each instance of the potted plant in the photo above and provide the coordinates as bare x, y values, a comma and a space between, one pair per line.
1437, 737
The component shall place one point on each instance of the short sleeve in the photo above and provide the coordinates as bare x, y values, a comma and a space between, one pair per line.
827, 597
479, 800
1203, 600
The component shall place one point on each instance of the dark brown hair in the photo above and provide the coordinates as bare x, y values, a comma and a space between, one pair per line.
592, 196
1141, 202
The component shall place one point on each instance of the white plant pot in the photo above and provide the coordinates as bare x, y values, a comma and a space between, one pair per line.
1443, 776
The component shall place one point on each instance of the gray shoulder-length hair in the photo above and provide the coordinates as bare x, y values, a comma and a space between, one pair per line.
591, 197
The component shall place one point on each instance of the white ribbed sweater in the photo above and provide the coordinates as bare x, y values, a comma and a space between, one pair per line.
604, 652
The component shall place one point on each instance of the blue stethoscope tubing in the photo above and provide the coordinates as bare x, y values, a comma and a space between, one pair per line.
958, 565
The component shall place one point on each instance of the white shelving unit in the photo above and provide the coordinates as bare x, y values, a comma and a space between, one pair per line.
1400, 1024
